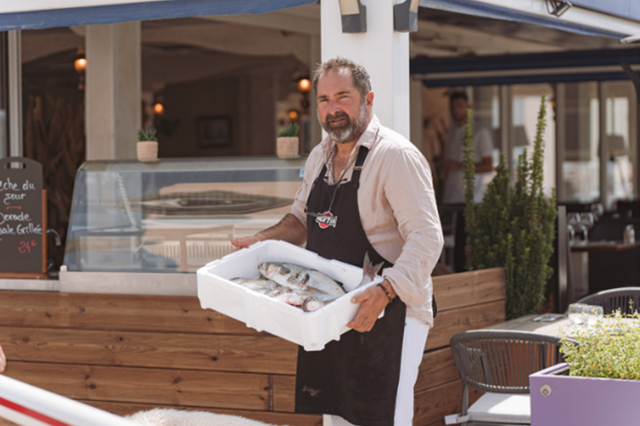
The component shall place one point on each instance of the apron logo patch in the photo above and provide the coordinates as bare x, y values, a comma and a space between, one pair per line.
326, 220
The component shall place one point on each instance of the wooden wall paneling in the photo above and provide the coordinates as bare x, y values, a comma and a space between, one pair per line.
257, 354
284, 393
437, 368
148, 385
271, 417
449, 323
469, 288
179, 314
432, 405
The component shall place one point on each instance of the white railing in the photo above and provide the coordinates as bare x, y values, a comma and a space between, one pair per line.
31, 406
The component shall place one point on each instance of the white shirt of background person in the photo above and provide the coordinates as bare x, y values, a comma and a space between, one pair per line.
453, 192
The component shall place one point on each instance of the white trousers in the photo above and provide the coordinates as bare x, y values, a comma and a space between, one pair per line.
413, 342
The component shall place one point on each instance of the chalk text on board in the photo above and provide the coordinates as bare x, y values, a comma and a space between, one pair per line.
14, 217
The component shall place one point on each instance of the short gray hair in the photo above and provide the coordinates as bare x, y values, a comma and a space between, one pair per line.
360, 76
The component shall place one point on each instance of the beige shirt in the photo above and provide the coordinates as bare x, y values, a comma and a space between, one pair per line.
397, 209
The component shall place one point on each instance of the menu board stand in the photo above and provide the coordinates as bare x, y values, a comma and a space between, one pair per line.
23, 220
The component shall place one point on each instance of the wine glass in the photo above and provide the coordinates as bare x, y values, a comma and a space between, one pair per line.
594, 313
587, 220
598, 210
573, 223
577, 313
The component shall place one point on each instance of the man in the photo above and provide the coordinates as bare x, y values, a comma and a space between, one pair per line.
3, 360
374, 188
453, 192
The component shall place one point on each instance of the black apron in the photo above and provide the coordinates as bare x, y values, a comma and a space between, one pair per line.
356, 377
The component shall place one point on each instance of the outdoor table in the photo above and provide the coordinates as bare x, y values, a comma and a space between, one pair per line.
526, 323
560, 326
580, 261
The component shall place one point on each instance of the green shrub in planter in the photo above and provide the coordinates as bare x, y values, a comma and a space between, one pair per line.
514, 226
609, 349
290, 131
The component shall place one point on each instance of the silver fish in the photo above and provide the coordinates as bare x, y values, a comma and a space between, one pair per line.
308, 301
369, 270
297, 298
260, 285
300, 278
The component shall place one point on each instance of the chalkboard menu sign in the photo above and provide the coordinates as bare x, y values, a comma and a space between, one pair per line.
22, 219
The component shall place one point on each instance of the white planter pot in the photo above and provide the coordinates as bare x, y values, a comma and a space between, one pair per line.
147, 150
287, 147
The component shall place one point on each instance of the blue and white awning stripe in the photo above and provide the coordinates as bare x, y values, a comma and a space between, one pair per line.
587, 20
114, 11
629, 9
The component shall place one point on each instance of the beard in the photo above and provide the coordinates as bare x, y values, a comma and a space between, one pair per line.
349, 129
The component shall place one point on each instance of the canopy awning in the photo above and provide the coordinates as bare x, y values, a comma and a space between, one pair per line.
613, 18
629, 9
37, 14
557, 67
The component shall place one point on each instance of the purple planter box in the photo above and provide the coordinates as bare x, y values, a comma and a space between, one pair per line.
585, 401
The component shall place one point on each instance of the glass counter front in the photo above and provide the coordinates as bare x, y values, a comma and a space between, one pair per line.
173, 215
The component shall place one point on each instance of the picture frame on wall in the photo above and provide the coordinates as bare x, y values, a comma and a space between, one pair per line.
214, 131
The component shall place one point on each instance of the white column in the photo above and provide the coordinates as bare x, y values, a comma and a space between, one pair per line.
381, 50
113, 90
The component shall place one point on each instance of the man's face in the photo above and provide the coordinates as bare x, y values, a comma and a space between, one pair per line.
459, 109
342, 112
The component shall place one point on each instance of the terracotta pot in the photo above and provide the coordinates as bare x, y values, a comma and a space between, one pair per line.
287, 147
147, 150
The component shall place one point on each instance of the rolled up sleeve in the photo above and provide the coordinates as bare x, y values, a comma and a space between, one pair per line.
408, 187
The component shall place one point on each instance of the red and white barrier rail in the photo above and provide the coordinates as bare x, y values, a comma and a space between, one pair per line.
31, 406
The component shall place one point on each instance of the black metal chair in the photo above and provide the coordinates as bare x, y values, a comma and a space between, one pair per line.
614, 299
499, 362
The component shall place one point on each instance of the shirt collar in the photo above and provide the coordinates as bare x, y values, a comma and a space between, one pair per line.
367, 139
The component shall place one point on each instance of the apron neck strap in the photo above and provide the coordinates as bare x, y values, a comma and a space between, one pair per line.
357, 168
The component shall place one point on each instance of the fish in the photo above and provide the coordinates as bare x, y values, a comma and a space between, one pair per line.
302, 287
369, 270
260, 285
298, 277
309, 301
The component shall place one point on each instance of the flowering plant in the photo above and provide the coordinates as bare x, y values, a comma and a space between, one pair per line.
608, 349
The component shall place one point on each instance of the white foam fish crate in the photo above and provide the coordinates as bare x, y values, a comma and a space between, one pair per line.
312, 330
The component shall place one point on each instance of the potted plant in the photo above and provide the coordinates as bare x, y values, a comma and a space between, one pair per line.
287, 145
147, 146
600, 382
514, 226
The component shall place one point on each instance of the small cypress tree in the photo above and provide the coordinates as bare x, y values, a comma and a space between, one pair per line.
513, 226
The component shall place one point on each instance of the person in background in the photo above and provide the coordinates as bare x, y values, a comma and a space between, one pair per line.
366, 189
3, 360
452, 156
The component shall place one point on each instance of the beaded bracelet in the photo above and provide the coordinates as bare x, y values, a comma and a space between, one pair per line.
386, 292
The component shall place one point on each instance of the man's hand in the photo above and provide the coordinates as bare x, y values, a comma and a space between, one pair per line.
373, 301
245, 242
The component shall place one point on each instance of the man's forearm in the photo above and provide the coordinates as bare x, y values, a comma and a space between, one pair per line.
289, 229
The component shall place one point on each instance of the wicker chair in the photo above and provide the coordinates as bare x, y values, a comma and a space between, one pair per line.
499, 362
614, 299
